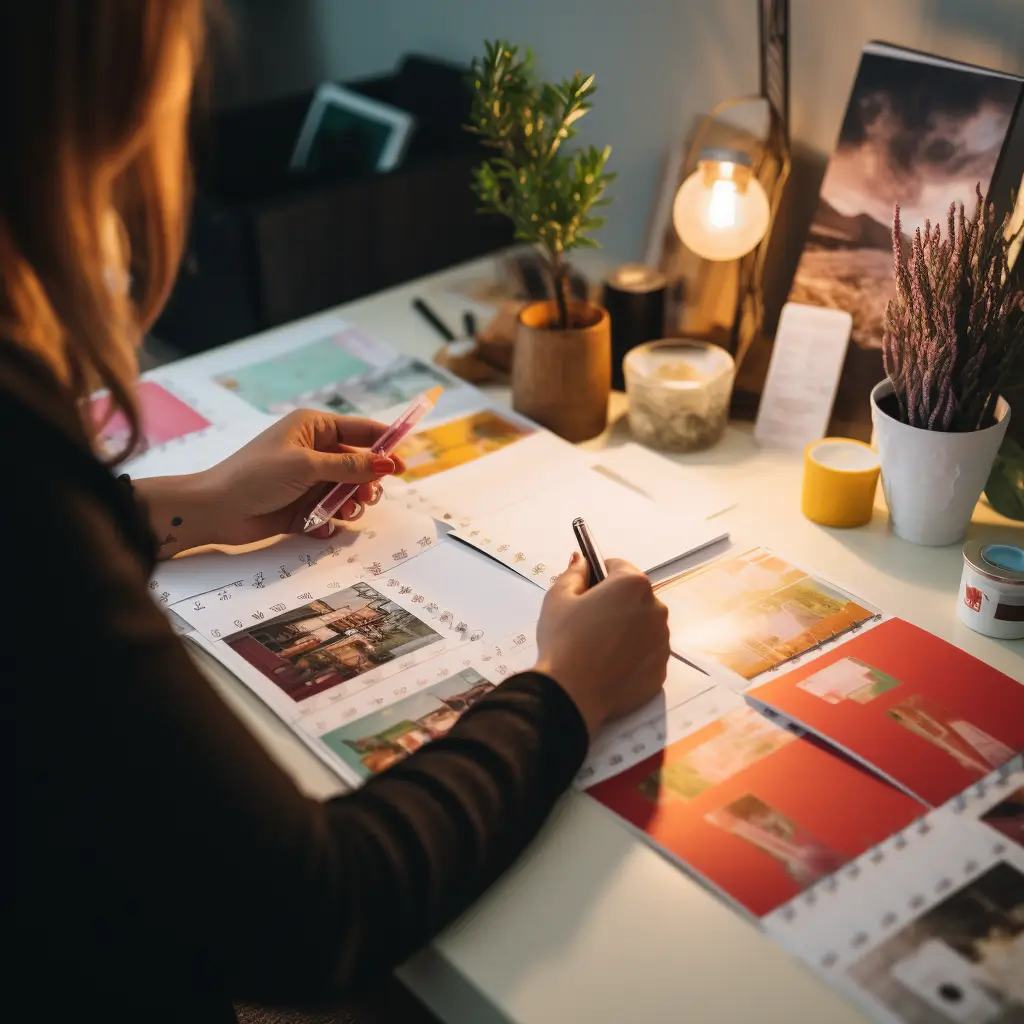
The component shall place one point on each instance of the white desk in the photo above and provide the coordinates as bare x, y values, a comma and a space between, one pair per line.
591, 925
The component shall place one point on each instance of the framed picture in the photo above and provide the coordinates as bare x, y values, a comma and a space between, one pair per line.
343, 126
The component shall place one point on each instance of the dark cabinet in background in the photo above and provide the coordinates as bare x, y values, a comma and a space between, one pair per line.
267, 246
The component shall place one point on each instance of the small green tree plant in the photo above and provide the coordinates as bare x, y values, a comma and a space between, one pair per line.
547, 193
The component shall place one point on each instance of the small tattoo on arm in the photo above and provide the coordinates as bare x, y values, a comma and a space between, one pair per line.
170, 538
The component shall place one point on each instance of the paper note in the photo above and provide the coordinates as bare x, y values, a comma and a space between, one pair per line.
662, 480
803, 376
535, 536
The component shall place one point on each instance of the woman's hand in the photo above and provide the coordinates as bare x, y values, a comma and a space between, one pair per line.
607, 647
271, 484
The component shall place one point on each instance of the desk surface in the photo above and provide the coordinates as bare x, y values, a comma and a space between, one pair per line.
591, 924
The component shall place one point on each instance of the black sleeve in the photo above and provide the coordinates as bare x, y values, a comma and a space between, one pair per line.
160, 833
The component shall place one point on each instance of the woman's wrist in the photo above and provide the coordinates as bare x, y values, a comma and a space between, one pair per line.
182, 511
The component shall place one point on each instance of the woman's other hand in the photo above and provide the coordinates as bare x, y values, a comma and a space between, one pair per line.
607, 646
271, 484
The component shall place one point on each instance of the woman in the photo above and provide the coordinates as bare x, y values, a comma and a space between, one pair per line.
167, 867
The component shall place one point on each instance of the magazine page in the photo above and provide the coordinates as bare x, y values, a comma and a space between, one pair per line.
928, 927
319, 363
747, 616
360, 726
910, 706
757, 810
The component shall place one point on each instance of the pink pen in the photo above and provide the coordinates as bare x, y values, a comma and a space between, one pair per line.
385, 445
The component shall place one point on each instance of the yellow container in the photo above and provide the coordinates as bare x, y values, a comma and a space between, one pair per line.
840, 479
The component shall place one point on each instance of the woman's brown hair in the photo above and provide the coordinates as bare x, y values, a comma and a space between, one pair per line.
94, 99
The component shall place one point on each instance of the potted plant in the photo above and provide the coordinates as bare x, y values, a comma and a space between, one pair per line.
561, 370
953, 343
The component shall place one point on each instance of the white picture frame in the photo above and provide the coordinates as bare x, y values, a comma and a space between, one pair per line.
330, 97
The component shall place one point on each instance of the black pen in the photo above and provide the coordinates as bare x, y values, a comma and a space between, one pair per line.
595, 562
469, 324
433, 319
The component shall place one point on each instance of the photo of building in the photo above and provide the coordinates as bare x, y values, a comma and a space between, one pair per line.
374, 743
331, 640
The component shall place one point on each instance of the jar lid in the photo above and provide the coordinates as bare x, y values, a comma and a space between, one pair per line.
1003, 563
684, 364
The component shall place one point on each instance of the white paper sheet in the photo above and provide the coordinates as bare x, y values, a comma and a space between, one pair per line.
628, 740
535, 537
387, 533
667, 482
465, 592
526, 466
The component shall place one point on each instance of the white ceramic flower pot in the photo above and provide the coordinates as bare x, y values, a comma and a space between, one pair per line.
932, 479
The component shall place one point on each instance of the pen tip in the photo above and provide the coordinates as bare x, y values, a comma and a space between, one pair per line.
434, 394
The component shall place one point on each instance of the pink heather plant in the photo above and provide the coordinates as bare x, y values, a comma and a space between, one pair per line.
954, 333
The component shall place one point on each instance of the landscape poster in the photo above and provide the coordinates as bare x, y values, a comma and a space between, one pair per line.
918, 131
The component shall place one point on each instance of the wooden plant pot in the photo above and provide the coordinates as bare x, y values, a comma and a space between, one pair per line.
562, 379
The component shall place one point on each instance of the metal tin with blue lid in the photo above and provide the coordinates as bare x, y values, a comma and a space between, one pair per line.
991, 599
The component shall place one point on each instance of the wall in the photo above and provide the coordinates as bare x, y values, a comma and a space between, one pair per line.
659, 63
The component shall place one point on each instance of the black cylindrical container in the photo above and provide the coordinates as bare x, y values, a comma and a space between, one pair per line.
634, 296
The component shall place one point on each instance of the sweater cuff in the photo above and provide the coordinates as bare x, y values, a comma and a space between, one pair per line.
562, 717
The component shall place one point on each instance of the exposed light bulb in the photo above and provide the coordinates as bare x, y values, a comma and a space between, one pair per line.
722, 205
721, 211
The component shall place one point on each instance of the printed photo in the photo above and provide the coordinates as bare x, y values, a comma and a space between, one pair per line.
805, 858
1007, 816
306, 377
715, 753
759, 812
972, 748
327, 642
920, 711
848, 679
961, 961
398, 383
376, 742
457, 442
915, 132
164, 418
754, 612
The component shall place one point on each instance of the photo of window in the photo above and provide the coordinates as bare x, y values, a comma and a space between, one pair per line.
1007, 816
973, 748
753, 612
374, 743
327, 642
805, 858
848, 679
457, 442
960, 961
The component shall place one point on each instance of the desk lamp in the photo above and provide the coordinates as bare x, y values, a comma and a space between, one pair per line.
725, 208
